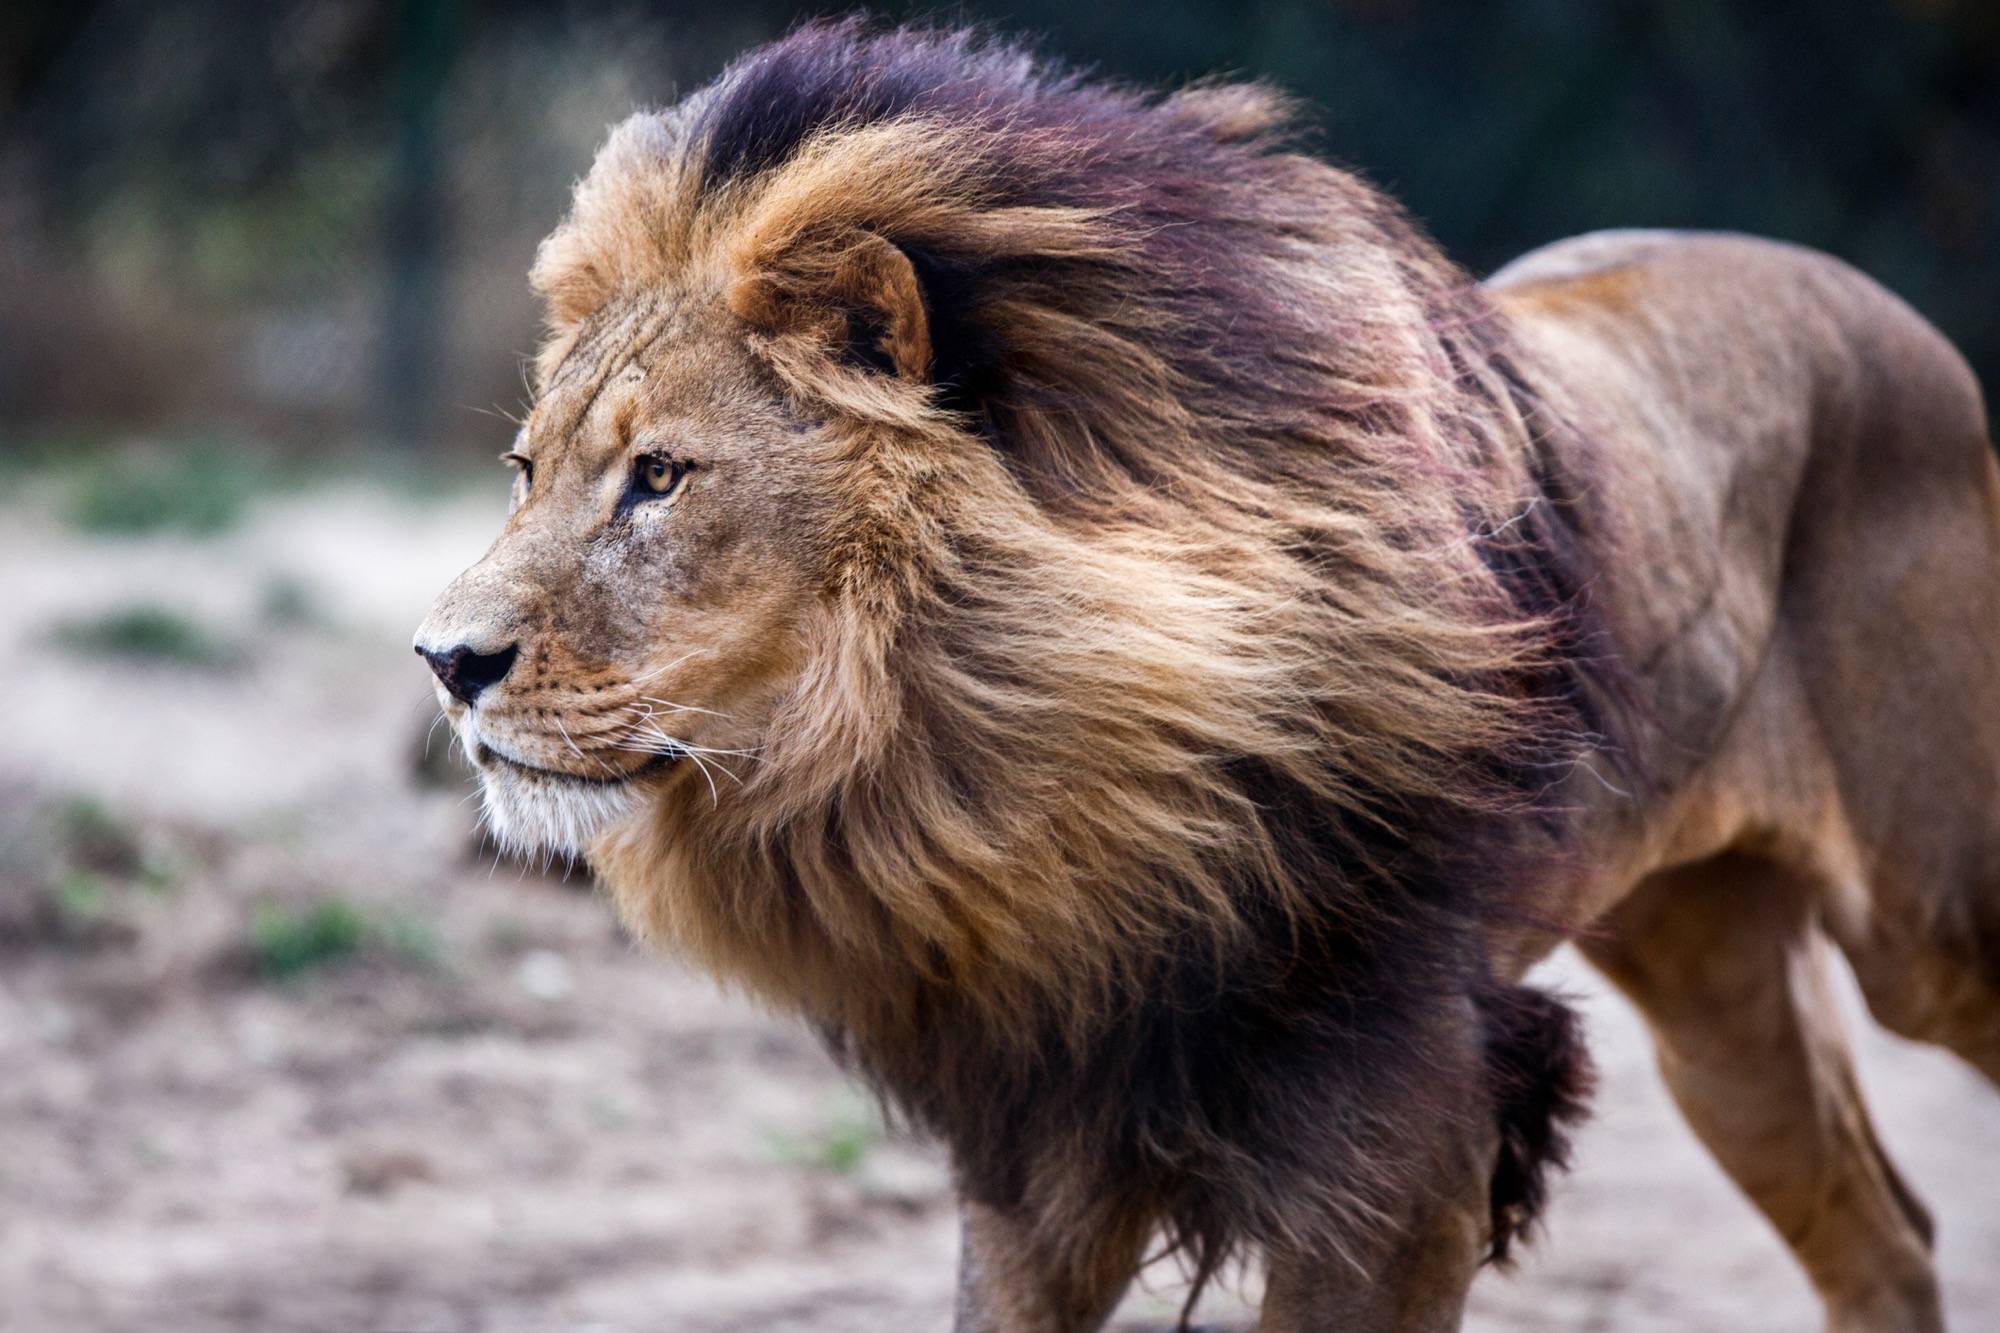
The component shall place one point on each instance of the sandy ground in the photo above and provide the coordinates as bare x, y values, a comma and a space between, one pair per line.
495, 1113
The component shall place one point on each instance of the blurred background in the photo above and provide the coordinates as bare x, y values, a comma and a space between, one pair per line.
311, 219
284, 1045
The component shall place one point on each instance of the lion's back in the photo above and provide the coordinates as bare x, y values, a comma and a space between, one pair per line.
1798, 477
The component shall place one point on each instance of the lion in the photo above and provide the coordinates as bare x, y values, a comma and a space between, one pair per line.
1083, 602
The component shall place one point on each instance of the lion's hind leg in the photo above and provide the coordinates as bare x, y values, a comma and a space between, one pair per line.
1938, 987
1728, 964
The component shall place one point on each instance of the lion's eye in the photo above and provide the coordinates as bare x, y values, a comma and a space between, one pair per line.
524, 475
658, 475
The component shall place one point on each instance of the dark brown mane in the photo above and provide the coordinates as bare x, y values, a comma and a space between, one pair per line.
1207, 646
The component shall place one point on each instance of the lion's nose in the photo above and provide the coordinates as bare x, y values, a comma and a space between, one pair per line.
466, 673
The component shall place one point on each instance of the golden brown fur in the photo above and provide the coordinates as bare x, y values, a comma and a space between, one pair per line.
1143, 642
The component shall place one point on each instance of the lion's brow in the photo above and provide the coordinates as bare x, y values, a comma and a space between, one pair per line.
598, 354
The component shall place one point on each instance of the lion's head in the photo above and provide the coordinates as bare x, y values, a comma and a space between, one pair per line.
651, 599
987, 535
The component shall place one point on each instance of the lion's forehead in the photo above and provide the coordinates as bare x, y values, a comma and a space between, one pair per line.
673, 374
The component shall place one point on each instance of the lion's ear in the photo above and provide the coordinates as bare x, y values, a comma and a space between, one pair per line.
860, 297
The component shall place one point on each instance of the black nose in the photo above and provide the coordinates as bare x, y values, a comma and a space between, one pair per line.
464, 672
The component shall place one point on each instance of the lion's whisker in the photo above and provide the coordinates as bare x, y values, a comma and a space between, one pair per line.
647, 722
661, 670
432, 731
714, 797
681, 708
588, 759
666, 744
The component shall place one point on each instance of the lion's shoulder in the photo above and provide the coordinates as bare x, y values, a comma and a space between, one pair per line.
1752, 406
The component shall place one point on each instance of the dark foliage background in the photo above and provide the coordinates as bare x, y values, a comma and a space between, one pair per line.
310, 220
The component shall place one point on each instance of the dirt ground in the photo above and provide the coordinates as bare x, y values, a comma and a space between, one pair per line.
280, 1052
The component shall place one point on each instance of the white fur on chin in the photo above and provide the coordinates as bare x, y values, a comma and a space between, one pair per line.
543, 815
533, 816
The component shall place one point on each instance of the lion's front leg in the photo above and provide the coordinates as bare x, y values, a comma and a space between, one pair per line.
1414, 1280
1011, 1281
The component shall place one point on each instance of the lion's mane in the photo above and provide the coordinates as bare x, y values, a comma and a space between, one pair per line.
1204, 648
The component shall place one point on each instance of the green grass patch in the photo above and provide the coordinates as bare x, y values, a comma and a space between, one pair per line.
840, 1146
289, 603
81, 874
412, 940
146, 632
205, 482
288, 941
83, 896
203, 489
91, 835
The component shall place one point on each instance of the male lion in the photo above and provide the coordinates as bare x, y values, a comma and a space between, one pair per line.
1089, 607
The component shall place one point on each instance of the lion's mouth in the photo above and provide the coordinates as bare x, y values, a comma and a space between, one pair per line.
486, 754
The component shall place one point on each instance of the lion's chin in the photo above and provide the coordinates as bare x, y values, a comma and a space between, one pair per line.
532, 816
